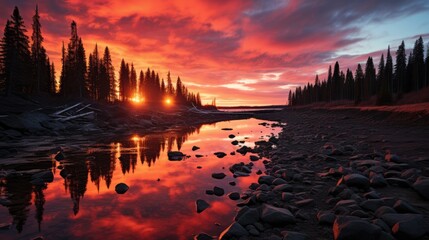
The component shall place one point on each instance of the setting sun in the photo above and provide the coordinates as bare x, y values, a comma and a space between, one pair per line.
137, 99
168, 101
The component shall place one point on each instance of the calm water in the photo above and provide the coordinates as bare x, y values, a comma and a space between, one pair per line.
84, 205
249, 109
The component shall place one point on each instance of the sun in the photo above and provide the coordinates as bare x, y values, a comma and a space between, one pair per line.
168, 101
137, 99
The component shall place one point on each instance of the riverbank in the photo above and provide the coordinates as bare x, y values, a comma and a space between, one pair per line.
341, 174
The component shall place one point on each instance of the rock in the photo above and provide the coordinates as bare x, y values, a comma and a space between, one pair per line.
243, 150
209, 192
266, 179
218, 175
195, 148
273, 140
199, 167
402, 206
259, 172
252, 230
232, 183
276, 216
384, 210
249, 216
201, 205
235, 142
254, 158
422, 187
398, 182
372, 204
409, 229
326, 218
392, 158
279, 181
231, 136
346, 228
175, 156
204, 236
289, 235
220, 154
234, 231
227, 129
355, 180
377, 180
199, 156
286, 196
234, 196
329, 159
305, 202
59, 156
254, 186
263, 187
121, 188
218, 191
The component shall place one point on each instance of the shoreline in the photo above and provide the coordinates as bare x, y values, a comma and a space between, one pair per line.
341, 171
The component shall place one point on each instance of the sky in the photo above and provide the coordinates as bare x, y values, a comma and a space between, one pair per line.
241, 52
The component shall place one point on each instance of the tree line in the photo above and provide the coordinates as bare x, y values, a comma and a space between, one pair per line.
26, 69
387, 84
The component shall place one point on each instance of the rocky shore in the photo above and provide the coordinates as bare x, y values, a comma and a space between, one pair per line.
337, 175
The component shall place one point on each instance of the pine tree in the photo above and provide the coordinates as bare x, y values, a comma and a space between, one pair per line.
380, 74
368, 86
52, 80
110, 70
123, 81
384, 95
133, 81
400, 70
359, 77
179, 91
408, 85
350, 85
418, 65
141, 84
16, 57
427, 66
336, 83
41, 67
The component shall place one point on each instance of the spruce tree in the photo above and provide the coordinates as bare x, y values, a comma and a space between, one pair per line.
110, 70
41, 67
400, 70
418, 64
359, 77
384, 95
369, 83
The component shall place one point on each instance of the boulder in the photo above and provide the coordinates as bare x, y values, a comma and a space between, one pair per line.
266, 179
195, 148
234, 196
422, 187
235, 142
355, 180
121, 188
254, 158
218, 191
276, 216
234, 231
204, 236
201, 205
346, 228
231, 136
248, 216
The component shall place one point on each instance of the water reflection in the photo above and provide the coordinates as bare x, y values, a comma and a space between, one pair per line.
160, 190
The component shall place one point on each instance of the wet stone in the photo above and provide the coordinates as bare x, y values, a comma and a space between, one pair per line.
422, 187
234, 196
276, 216
218, 175
235, 142
195, 148
234, 231
201, 205
289, 235
254, 158
220, 154
204, 236
218, 191
231, 136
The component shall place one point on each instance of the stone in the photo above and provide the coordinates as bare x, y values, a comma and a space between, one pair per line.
384, 210
204, 236
355, 180
121, 188
235, 142
286, 196
195, 148
346, 228
231, 136
372, 204
227, 129
289, 235
234, 231
201, 205
377, 180
175, 156
422, 187
305, 202
220, 154
266, 179
250, 216
278, 181
252, 230
392, 158
209, 192
232, 183
199, 155
413, 228
218, 191
276, 216
398, 182
234, 196
326, 217
254, 158
259, 172
401, 206
218, 175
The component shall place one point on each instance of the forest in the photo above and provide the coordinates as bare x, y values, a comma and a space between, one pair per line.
25, 68
387, 84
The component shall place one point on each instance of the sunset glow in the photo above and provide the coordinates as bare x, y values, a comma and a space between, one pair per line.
239, 52
168, 101
137, 99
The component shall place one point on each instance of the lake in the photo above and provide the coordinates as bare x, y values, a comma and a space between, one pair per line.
81, 202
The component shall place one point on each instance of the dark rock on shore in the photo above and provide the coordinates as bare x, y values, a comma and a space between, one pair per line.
201, 205
234, 231
121, 188
218, 175
220, 154
195, 148
175, 156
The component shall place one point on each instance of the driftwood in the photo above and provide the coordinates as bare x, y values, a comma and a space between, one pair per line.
70, 113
